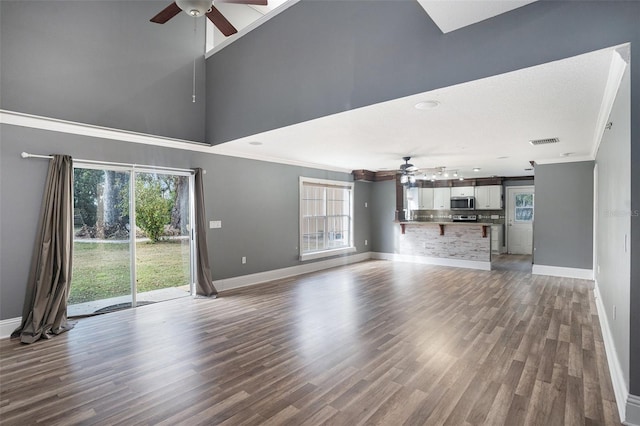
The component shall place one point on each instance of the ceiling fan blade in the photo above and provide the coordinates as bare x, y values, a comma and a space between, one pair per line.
256, 2
166, 14
221, 22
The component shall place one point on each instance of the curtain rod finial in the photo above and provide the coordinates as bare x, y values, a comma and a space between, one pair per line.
24, 155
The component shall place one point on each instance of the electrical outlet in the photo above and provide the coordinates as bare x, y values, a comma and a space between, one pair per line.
244, 259
214, 224
366, 204
365, 242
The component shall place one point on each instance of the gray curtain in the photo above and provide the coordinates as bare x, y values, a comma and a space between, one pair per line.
204, 281
44, 313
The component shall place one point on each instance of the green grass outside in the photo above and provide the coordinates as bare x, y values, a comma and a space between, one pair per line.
101, 270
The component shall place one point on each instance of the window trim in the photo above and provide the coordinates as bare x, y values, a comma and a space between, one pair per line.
331, 251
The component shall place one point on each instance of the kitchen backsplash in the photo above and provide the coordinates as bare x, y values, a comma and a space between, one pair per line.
486, 216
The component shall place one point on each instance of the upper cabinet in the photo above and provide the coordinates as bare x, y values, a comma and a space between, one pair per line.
441, 198
489, 197
412, 197
462, 191
426, 199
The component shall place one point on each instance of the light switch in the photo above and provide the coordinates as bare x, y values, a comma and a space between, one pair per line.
215, 224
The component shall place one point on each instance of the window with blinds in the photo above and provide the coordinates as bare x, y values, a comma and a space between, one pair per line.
326, 218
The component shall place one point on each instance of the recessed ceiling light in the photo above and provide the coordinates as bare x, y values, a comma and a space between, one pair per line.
566, 154
427, 104
528, 170
476, 169
255, 143
502, 158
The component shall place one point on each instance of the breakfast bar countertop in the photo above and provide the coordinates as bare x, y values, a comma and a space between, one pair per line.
425, 222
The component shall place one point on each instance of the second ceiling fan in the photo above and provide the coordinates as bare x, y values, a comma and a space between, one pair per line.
197, 8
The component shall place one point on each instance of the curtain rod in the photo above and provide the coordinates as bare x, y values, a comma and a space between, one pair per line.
110, 163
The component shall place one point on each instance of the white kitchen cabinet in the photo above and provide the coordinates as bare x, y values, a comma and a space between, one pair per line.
489, 197
426, 199
441, 198
412, 197
497, 232
462, 191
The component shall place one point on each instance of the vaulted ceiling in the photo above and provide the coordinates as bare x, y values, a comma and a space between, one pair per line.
485, 124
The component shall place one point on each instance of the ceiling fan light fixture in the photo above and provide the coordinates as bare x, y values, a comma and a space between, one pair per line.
194, 8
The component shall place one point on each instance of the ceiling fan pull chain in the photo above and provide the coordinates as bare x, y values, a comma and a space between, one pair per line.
195, 38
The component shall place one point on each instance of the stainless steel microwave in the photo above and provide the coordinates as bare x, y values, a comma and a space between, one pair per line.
463, 203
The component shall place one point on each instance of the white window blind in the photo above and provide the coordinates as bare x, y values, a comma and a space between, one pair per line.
326, 218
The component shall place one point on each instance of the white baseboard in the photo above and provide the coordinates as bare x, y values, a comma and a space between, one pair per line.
276, 274
457, 263
8, 326
559, 271
628, 404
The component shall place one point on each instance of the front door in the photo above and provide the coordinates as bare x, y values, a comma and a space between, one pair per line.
520, 202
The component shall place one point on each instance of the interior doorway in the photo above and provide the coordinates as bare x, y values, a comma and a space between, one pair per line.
133, 240
520, 218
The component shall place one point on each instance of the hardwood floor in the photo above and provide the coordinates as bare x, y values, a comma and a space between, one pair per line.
378, 342
511, 262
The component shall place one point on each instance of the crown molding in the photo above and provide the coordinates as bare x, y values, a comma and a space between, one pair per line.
70, 127
614, 79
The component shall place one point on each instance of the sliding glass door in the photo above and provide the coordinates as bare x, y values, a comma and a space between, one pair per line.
163, 247
132, 238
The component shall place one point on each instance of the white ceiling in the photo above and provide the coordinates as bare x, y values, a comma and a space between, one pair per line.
452, 15
475, 125
484, 124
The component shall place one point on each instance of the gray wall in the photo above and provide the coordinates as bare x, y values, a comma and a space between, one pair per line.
256, 201
103, 63
563, 211
383, 195
322, 57
613, 219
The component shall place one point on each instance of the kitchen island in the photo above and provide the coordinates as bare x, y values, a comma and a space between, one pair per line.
460, 244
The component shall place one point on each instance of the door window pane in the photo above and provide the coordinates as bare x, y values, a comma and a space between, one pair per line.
162, 237
101, 247
524, 207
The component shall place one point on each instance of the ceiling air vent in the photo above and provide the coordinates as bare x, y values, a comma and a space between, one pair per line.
544, 141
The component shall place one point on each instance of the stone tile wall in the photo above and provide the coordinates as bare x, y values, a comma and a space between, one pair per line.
462, 242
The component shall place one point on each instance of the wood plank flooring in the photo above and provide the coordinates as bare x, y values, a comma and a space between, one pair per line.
377, 342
